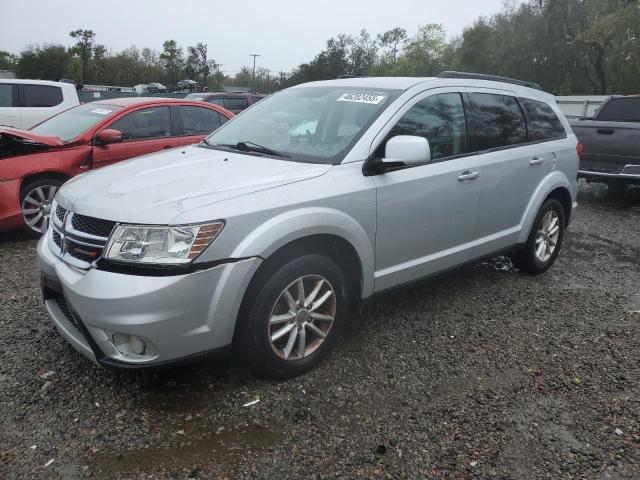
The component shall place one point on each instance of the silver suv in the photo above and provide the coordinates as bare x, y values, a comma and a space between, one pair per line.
267, 234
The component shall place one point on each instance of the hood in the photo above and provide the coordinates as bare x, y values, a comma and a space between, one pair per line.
29, 138
156, 188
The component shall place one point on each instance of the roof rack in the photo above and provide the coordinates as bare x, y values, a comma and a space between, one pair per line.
348, 76
493, 78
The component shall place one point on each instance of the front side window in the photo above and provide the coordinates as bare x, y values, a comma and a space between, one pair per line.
621, 110
307, 124
543, 123
236, 103
71, 123
154, 122
497, 121
199, 120
40, 96
441, 120
6, 95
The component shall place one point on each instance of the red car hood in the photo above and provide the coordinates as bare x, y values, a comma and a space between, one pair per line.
30, 137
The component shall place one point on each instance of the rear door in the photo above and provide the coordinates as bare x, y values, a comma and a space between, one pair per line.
196, 122
38, 103
511, 167
144, 131
9, 107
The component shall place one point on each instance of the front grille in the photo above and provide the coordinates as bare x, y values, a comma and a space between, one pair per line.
57, 239
92, 226
64, 308
60, 213
83, 252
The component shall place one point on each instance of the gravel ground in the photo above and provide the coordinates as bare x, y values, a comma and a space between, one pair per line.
485, 373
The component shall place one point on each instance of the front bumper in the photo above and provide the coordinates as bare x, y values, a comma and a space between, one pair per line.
10, 211
182, 316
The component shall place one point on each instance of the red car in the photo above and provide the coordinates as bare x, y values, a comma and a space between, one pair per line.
35, 163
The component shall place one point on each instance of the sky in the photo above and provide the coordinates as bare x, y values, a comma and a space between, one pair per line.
284, 33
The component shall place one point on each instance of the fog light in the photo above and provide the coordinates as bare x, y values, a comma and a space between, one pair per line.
137, 345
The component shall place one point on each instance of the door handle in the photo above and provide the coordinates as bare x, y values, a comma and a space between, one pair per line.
536, 161
468, 175
605, 131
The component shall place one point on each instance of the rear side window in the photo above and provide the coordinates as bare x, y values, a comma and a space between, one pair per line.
543, 123
40, 96
441, 120
621, 110
222, 119
6, 95
498, 121
151, 122
256, 99
199, 120
216, 100
237, 103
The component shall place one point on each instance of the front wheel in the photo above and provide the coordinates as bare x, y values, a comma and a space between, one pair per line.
35, 201
293, 315
545, 239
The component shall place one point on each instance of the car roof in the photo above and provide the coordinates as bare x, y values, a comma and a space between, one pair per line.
228, 94
393, 83
129, 101
37, 82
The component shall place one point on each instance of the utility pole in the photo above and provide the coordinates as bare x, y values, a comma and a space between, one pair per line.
253, 77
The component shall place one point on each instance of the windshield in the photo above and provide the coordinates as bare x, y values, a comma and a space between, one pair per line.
308, 124
71, 123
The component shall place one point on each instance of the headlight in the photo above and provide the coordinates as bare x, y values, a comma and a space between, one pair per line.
160, 245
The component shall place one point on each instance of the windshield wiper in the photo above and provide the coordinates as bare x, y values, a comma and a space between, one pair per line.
247, 146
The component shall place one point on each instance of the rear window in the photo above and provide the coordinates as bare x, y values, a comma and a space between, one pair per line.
216, 101
40, 96
543, 123
498, 121
199, 120
620, 110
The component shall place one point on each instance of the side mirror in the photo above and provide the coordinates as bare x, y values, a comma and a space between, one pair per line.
109, 135
407, 150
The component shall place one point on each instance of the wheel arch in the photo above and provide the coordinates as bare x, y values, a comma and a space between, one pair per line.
27, 179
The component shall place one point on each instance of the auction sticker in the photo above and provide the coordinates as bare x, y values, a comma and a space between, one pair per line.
101, 111
361, 98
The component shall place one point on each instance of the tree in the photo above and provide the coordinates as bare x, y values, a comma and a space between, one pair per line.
393, 41
8, 61
49, 62
99, 62
172, 58
85, 40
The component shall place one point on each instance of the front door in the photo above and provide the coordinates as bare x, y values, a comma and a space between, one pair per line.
426, 215
144, 131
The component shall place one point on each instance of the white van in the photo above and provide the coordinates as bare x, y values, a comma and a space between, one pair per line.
25, 103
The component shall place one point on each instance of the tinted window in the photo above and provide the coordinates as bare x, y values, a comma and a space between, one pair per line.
41, 96
621, 110
71, 123
222, 119
543, 123
441, 120
146, 123
6, 95
197, 120
256, 99
236, 103
498, 121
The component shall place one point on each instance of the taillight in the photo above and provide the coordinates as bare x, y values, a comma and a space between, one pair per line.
579, 149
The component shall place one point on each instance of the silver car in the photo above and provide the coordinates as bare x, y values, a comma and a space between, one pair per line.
266, 235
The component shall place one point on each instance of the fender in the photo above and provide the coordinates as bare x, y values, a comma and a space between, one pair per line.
278, 231
553, 180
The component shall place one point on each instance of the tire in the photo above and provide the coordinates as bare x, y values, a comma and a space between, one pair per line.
529, 259
35, 203
267, 312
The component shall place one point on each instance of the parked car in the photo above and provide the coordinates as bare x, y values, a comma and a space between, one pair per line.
25, 103
155, 87
611, 152
234, 102
36, 162
266, 234
187, 84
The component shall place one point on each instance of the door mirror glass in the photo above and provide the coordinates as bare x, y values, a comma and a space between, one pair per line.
408, 150
109, 135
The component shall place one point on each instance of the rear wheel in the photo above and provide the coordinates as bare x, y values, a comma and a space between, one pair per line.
295, 312
545, 239
35, 201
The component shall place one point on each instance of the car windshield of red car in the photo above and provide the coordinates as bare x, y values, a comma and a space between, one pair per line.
75, 121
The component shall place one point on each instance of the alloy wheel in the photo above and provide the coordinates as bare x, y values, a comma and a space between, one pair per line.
548, 234
302, 317
36, 207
